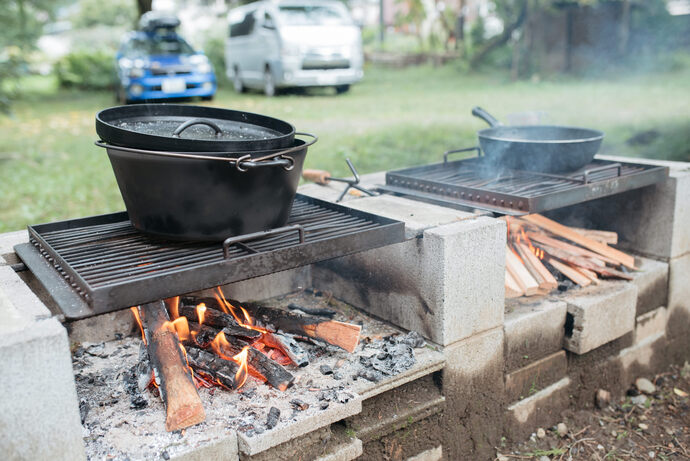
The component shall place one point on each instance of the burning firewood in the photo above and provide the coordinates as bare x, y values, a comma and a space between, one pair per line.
172, 375
340, 334
223, 371
289, 346
218, 319
227, 346
583, 259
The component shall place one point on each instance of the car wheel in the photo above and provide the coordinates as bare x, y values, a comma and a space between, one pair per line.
207, 98
269, 83
340, 89
237, 81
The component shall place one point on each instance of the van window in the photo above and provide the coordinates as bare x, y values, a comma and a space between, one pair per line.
308, 15
244, 26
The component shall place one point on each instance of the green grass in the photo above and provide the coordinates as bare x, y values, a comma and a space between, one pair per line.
50, 169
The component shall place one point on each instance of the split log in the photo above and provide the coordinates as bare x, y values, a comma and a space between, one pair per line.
259, 365
287, 344
608, 237
340, 334
520, 274
318, 311
583, 262
541, 274
173, 377
589, 274
569, 272
578, 251
223, 371
598, 247
218, 319
512, 288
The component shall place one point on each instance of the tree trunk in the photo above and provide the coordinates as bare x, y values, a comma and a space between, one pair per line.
501, 39
144, 6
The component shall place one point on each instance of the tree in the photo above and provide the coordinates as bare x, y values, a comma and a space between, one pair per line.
144, 6
513, 13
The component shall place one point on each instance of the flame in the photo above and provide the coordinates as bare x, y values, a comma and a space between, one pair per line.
174, 307
179, 326
241, 359
219, 344
135, 311
245, 320
200, 311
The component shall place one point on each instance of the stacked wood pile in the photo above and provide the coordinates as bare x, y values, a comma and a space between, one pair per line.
204, 342
540, 250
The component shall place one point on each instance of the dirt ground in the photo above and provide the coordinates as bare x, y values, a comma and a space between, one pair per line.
636, 427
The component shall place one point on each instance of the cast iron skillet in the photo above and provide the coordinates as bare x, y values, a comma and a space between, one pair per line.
186, 128
545, 148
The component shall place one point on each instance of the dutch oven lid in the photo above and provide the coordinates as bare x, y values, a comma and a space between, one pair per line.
185, 128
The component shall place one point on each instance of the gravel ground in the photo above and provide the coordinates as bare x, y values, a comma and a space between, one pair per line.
649, 423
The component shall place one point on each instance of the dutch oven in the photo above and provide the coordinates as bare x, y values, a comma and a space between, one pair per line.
544, 148
186, 128
206, 195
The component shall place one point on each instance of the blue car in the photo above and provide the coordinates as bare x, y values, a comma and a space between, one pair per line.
156, 63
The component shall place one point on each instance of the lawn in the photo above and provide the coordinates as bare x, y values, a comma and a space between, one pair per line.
50, 169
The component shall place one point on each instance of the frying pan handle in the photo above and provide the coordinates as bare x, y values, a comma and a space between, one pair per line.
196, 121
244, 238
484, 115
446, 154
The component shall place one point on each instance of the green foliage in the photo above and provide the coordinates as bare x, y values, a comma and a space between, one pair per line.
477, 32
214, 48
11, 68
88, 70
111, 13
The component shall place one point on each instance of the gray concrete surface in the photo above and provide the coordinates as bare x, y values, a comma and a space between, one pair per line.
536, 376
539, 410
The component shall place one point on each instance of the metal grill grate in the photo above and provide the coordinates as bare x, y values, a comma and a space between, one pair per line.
470, 183
112, 266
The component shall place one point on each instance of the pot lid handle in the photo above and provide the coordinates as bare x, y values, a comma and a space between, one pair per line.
196, 121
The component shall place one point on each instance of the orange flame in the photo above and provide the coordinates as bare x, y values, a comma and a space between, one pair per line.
245, 321
135, 311
219, 344
241, 359
200, 312
174, 307
179, 326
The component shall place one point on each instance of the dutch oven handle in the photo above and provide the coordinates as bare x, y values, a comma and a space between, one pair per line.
243, 163
196, 121
487, 117
228, 242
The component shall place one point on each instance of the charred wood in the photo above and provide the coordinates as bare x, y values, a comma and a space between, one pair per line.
223, 371
218, 319
173, 377
318, 311
287, 344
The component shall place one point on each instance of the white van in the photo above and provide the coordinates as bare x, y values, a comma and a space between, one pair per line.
288, 43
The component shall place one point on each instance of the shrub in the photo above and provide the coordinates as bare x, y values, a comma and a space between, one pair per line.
214, 48
87, 70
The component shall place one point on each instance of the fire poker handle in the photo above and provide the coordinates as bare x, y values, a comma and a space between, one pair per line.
317, 176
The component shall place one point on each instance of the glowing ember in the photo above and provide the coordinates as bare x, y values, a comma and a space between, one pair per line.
181, 327
135, 311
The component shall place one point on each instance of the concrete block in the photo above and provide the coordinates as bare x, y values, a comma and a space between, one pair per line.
539, 410
447, 285
344, 452
533, 329
9, 239
598, 315
652, 323
331, 191
39, 409
225, 449
474, 390
643, 359
652, 220
679, 296
432, 454
267, 286
417, 217
104, 327
536, 376
652, 284
24, 300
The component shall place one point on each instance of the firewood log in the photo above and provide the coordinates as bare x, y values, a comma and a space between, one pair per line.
541, 274
520, 274
173, 377
512, 288
569, 272
219, 320
224, 371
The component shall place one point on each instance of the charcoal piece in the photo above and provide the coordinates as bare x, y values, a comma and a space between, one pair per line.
143, 369
319, 311
326, 370
565, 285
395, 356
273, 417
97, 350
414, 340
137, 400
84, 408
165, 455
324, 405
337, 375
336, 394
299, 405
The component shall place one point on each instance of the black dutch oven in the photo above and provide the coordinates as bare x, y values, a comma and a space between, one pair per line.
185, 128
206, 195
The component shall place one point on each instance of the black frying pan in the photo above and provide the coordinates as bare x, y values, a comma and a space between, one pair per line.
546, 148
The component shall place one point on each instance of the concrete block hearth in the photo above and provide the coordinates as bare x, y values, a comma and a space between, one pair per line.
538, 410
598, 314
533, 329
651, 324
537, 375
447, 285
652, 284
